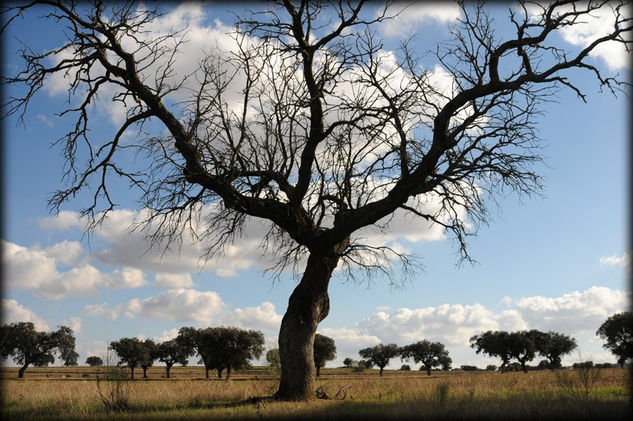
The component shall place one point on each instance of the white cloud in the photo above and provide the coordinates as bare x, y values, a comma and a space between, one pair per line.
450, 324
622, 261
261, 317
165, 335
573, 312
36, 269
66, 252
74, 323
123, 246
13, 312
590, 27
173, 280
174, 304
415, 13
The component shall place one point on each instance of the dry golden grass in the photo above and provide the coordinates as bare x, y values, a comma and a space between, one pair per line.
400, 395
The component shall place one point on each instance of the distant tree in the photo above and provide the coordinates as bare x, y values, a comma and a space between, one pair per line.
71, 361
149, 354
348, 362
522, 348
618, 332
430, 354
583, 364
494, 344
206, 343
324, 351
380, 354
94, 361
273, 359
445, 362
174, 351
469, 368
28, 346
552, 346
491, 367
405, 367
223, 348
130, 352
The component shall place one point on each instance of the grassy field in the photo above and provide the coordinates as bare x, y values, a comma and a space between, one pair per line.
71, 393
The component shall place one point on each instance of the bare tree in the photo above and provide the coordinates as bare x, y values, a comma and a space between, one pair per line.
321, 138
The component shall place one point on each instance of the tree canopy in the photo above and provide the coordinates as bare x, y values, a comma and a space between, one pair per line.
617, 330
28, 346
174, 351
94, 361
302, 126
430, 354
223, 348
380, 354
324, 351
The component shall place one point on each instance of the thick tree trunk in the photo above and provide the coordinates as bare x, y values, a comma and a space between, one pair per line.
144, 371
168, 368
132, 373
207, 371
22, 370
381, 368
428, 370
318, 371
228, 373
308, 305
220, 370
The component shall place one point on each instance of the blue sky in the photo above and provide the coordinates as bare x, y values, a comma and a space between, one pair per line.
557, 262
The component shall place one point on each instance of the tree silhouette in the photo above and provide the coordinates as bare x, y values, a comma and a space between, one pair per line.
130, 352
380, 354
94, 361
174, 351
324, 351
552, 345
618, 331
28, 346
323, 139
430, 354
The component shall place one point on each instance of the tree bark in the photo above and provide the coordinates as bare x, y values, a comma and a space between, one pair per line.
428, 370
22, 370
144, 371
308, 305
132, 373
220, 370
168, 368
380, 370
318, 371
228, 373
207, 371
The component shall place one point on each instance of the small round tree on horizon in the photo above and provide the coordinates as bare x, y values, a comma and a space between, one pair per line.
94, 361
324, 351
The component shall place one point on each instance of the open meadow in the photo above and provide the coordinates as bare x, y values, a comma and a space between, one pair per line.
72, 393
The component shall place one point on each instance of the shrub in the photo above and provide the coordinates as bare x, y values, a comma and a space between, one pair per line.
491, 367
405, 367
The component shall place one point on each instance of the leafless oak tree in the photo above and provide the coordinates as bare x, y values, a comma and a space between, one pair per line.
321, 138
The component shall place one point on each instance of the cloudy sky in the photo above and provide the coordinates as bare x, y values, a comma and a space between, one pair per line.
557, 262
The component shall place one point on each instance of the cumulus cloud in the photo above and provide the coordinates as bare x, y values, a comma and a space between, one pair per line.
13, 312
173, 280
37, 270
74, 323
454, 324
598, 24
165, 335
622, 261
572, 312
121, 245
261, 317
179, 304
413, 14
